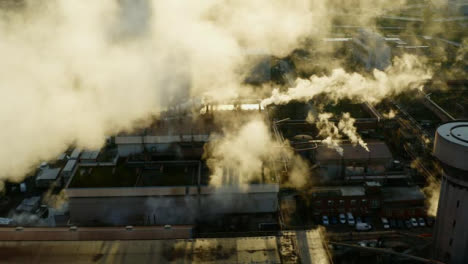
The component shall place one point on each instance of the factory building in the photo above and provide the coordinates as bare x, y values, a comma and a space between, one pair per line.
167, 138
172, 192
343, 199
369, 199
356, 163
403, 202
161, 178
451, 232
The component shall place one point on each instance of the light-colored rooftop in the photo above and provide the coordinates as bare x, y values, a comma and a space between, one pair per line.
48, 174
75, 154
69, 166
455, 132
402, 194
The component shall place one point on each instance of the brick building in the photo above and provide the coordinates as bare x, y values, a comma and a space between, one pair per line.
368, 199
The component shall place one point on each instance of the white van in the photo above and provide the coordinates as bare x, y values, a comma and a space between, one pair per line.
363, 227
351, 221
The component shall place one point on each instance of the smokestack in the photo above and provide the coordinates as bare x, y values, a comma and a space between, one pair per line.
450, 236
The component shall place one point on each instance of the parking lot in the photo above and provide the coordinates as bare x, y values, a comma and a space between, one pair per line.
417, 226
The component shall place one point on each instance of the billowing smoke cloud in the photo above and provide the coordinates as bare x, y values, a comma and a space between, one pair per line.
333, 134
74, 72
58, 202
406, 73
247, 152
432, 191
432, 188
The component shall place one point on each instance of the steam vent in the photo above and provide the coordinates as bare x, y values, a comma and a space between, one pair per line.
451, 231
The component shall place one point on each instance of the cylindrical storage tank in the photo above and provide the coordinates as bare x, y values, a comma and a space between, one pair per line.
451, 229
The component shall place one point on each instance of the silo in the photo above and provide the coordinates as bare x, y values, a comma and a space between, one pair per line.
451, 229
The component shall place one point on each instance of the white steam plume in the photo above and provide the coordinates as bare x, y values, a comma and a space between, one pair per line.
327, 129
407, 72
333, 134
346, 126
74, 72
247, 152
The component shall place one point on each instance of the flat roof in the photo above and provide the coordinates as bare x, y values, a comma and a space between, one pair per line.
48, 174
340, 191
455, 132
90, 154
402, 194
352, 190
185, 125
171, 173
70, 165
377, 150
75, 154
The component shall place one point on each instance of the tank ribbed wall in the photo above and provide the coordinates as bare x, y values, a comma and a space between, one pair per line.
451, 229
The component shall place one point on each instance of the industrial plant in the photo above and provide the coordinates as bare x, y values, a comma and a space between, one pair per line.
262, 131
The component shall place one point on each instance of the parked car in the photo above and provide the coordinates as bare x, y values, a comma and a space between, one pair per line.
334, 220
325, 220
351, 221
393, 223
421, 221
385, 223
363, 227
342, 219
368, 243
414, 222
408, 224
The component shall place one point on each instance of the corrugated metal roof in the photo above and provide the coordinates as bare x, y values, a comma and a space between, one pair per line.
124, 191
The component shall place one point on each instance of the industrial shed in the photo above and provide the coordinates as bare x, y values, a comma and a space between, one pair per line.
164, 193
355, 160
